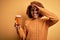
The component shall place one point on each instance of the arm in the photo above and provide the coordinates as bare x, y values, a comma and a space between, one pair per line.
51, 17
21, 33
25, 31
25, 28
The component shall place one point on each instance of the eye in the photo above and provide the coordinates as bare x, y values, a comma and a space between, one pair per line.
36, 9
32, 9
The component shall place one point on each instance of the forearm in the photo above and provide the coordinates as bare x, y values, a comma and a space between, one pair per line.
21, 33
52, 18
47, 13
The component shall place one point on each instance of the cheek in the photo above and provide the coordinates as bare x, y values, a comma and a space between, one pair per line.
35, 12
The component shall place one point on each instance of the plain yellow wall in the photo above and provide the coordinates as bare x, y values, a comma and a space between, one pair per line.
9, 8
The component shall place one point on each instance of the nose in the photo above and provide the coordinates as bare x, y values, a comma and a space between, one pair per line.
35, 12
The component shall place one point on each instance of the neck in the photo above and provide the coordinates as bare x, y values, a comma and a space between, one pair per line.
34, 18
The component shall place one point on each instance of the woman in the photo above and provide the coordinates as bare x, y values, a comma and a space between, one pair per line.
36, 28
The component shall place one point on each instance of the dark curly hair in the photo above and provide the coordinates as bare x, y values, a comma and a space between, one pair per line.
28, 12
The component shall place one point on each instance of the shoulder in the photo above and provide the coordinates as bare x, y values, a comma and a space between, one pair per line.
27, 21
44, 18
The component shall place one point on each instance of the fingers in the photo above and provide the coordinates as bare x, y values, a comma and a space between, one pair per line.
17, 26
33, 5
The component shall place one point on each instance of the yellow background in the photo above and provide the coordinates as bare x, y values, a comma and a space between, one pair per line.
9, 8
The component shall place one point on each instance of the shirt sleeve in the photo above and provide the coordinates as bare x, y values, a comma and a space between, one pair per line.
51, 21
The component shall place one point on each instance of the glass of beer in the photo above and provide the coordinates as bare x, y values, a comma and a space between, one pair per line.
18, 21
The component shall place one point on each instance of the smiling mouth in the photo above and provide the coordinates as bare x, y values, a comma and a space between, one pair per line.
35, 15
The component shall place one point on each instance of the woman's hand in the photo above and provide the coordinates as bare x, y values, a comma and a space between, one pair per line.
34, 5
17, 26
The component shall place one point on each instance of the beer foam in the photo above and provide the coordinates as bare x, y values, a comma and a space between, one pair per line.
18, 15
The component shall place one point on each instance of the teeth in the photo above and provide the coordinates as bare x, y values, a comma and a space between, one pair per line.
35, 14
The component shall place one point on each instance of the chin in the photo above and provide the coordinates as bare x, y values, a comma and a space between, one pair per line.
35, 17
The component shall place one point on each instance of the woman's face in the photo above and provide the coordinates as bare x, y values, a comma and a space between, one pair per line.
34, 12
